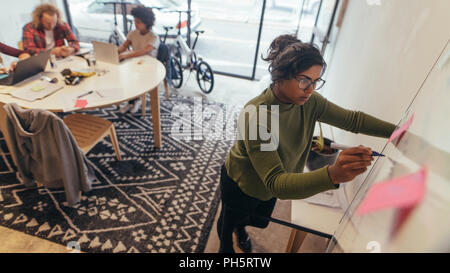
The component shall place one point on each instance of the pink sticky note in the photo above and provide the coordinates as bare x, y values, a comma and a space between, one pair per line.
402, 129
81, 103
402, 192
400, 218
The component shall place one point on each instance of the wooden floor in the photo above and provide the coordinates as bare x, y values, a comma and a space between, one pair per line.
272, 239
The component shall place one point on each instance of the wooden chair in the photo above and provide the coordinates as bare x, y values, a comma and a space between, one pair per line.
89, 130
4, 131
6, 136
166, 86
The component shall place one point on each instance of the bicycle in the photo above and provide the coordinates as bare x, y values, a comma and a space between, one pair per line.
205, 75
176, 70
118, 37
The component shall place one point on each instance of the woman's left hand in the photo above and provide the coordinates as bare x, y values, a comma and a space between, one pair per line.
12, 67
123, 56
23, 56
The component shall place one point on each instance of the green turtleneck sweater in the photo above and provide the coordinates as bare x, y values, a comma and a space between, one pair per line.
278, 173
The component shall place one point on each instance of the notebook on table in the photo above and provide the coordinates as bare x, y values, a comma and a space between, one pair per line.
36, 90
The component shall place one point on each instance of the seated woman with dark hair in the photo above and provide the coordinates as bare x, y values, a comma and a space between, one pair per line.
143, 42
14, 52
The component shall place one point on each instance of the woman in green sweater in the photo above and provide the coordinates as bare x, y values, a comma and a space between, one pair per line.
253, 177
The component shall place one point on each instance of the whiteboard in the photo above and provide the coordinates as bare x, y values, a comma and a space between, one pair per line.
381, 56
427, 143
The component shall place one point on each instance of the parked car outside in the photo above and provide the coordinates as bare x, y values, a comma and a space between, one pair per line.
94, 20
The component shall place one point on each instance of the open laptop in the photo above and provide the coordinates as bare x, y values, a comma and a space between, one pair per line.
27, 68
105, 52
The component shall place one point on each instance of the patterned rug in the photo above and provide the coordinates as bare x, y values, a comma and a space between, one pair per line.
154, 200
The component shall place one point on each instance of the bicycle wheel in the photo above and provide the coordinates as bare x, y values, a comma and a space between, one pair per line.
177, 53
193, 60
177, 73
205, 77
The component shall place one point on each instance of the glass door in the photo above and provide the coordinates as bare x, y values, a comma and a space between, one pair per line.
231, 32
295, 17
322, 27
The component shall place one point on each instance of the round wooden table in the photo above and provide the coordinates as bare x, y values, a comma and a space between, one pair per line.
112, 84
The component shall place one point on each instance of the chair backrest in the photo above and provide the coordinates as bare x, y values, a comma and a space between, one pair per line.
3, 128
76, 175
2, 117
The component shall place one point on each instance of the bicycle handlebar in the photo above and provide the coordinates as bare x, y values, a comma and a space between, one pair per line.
166, 10
158, 8
118, 3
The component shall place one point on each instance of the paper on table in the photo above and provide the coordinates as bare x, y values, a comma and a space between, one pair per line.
99, 95
402, 192
35, 91
81, 103
328, 198
5, 89
106, 94
402, 129
72, 102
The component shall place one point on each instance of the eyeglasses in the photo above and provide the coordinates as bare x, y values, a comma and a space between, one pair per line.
304, 82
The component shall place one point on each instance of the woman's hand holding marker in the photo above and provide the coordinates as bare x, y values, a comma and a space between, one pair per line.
350, 163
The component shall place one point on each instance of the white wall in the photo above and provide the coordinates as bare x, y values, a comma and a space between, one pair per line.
15, 14
380, 59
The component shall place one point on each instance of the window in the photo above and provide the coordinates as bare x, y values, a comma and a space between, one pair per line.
99, 7
231, 44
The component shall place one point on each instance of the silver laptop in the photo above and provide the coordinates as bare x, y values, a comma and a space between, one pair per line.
105, 52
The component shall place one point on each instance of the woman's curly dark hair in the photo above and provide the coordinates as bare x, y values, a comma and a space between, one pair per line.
144, 14
288, 56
